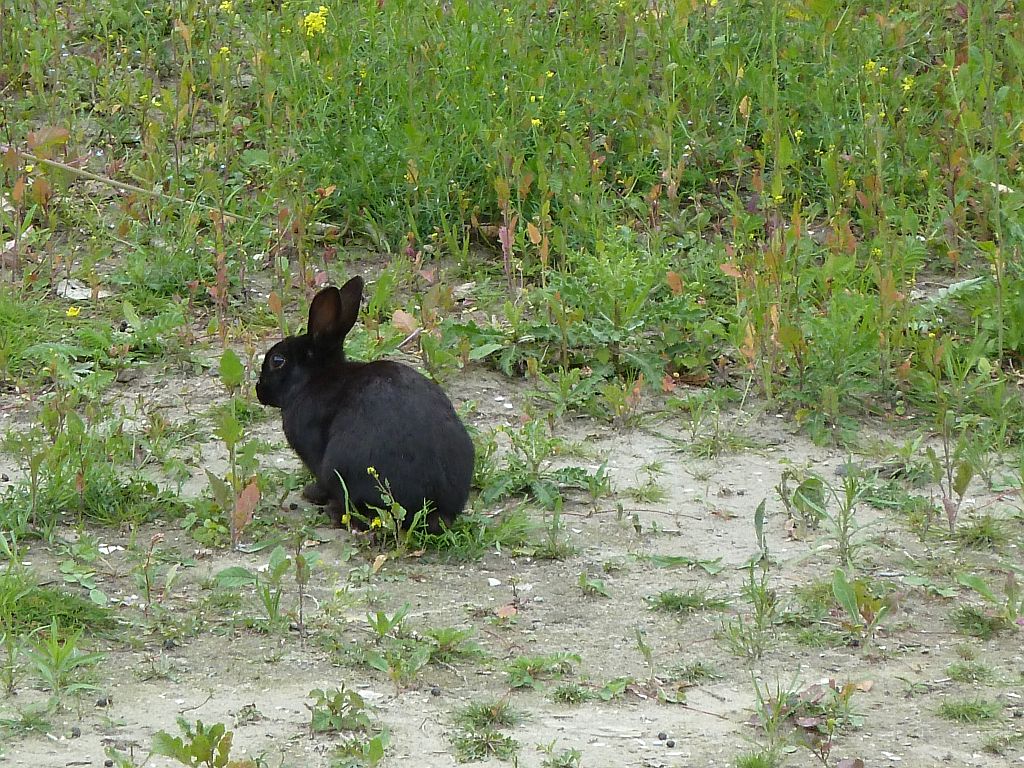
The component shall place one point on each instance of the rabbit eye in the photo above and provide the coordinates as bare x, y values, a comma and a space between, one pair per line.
277, 361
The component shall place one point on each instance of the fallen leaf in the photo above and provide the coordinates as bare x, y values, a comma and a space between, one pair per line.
506, 611
404, 322
245, 506
675, 282
378, 562
730, 269
46, 137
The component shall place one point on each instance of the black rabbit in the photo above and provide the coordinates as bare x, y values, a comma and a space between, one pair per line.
349, 419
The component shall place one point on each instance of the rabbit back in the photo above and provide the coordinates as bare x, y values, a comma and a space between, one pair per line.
387, 416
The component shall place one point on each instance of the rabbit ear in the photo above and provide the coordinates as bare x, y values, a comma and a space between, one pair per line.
351, 298
333, 312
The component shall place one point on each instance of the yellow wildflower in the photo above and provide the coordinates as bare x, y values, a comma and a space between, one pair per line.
227, 6
74, 311
907, 84
376, 523
870, 65
315, 23
535, 122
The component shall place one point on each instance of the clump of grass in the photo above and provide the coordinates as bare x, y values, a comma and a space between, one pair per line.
490, 714
970, 672
478, 735
25, 607
527, 671
759, 759
985, 532
473, 746
974, 621
970, 710
572, 693
695, 672
689, 601
820, 636
453, 644
1002, 743
815, 599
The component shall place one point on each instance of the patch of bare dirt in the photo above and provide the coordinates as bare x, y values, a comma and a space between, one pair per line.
214, 668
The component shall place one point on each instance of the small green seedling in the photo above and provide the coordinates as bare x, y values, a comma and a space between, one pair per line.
384, 625
592, 586
863, 609
199, 746
1009, 607
338, 710
60, 663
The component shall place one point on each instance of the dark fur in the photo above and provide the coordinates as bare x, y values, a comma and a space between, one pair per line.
342, 416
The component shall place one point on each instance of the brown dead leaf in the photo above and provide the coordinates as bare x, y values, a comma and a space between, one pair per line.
18, 191
865, 685
675, 282
378, 562
182, 29
404, 322
533, 233
730, 269
274, 301
749, 349
42, 191
47, 138
903, 369
10, 159
245, 506
506, 611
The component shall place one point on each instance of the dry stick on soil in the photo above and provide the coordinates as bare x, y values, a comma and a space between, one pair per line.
197, 706
82, 173
318, 228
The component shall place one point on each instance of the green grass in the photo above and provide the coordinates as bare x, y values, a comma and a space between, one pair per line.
482, 715
970, 710
811, 208
695, 672
975, 622
844, 144
26, 607
473, 746
983, 532
690, 601
572, 693
970, 671
759, 759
